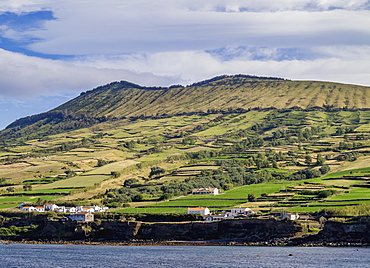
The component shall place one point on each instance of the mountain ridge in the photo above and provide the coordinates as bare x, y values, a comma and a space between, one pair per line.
218, 93
124, 99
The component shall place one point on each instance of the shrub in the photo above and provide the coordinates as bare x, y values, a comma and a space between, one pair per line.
324, 169
325, 193
114, 204
252, 198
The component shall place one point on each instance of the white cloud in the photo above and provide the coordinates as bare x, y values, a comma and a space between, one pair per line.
24, 76
164, 42
19, 6
113, 27
342, 64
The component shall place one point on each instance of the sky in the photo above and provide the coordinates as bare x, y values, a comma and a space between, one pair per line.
52, 50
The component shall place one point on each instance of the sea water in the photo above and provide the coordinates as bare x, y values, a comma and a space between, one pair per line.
44, 255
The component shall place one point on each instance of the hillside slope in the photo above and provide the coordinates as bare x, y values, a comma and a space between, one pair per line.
123, 99
221, 93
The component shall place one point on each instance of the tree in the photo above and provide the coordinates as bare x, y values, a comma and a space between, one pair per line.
320, 160
308, 160
156, 171
189, 140
324, 169
130, 182
227, 186
326, 193
166, 196
252, 197
115, 174
102, 162
70, 173
2, 181
27, 187
10, 189
274, 164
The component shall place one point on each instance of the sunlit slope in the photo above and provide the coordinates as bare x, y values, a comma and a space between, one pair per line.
123, 99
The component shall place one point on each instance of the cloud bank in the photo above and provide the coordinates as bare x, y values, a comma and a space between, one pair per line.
83, 44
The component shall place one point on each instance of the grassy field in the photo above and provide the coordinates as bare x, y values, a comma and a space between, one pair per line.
16, 200
90, 178
158, 142
48, 191
200, 203
355, 193
243, 191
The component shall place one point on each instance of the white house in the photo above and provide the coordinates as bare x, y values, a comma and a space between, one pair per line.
218, 217
62, 209
199, 210
206, 191
99, 209
32, 208
87, 209
51, 207
70, 210
241, 210
290, 216
28, 208
40, 209
82, 216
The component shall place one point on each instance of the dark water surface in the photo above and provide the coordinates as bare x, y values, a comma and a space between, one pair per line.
39, 255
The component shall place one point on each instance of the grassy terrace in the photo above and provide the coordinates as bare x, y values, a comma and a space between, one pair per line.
294, 203
237, 196
220, 130
13, 201
243, 191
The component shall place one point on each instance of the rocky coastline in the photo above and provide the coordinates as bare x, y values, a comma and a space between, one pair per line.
235, 232
274, 243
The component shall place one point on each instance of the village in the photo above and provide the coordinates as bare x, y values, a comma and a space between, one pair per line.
79, 213
230, 213
85, 213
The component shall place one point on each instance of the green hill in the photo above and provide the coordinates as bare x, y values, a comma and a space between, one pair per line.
292, 145
220, 93
224, 93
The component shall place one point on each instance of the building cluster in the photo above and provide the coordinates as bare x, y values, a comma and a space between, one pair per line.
206, 191
226, 214
231, 213
237, 212
79, 213
85, 213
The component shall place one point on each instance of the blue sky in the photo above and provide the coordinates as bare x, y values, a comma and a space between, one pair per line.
50, 51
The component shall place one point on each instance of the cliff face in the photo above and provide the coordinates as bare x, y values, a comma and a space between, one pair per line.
345, 232
244, 230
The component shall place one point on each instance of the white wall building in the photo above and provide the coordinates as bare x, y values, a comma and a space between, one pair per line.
28, 208
219, 217
70, 210
40, 209
241, 210
51, 207
290, 216
199, 210
82, 216
206, 191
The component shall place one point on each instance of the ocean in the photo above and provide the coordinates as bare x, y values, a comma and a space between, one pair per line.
80, 256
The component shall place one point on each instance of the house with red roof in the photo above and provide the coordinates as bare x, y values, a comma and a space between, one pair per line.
199, 210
